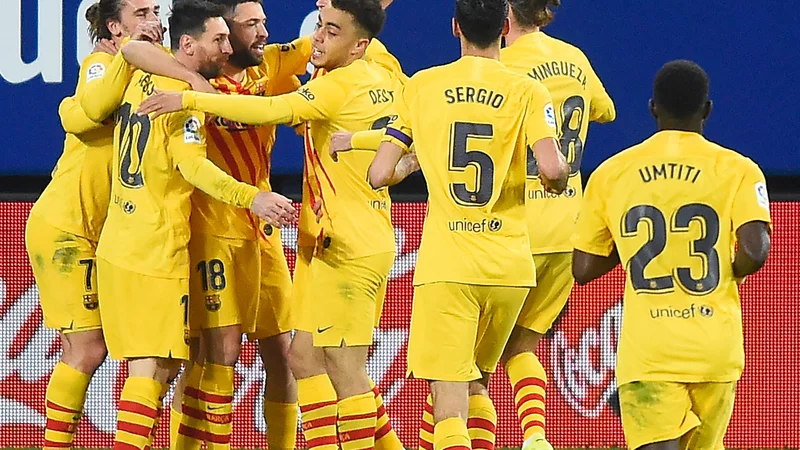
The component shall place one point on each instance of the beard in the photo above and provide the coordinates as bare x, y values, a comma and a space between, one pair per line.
242, 55
210, 70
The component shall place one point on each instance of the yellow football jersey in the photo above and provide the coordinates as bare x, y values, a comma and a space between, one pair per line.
147, 229
671, 206
471, 122
356, 219
245, 151
578, 98
76, 199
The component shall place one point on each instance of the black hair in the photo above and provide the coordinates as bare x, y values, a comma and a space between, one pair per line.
229, 6
189, 17
98, 16
481, 21
533, 13
681, 89
368, 14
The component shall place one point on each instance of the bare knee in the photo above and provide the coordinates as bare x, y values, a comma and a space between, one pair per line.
450, 399
280, 383
347, 368
480, 387
84, 351
522, 340
305, 361
159, 369
222, 345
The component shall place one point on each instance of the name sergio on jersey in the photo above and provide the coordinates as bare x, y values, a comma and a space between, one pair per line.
469, 226
558, 68
469, 94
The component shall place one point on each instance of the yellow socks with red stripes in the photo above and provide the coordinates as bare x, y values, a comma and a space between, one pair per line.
216, 405
356, 422
385, 436
138, 408
451, 434
159, 411
66, 393
482, 422
528, 381
189, 431
318, 408
281, 421
426, 426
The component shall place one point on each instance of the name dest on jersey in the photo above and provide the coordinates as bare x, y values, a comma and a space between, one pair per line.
469, 94
669, 171
682, 313
379, 96
469, 226
558, 68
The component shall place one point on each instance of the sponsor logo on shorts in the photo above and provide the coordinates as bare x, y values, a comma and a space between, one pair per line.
468, 226
682, 313
213, 303
90, 301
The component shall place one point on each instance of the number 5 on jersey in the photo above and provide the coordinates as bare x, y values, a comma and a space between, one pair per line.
462, 157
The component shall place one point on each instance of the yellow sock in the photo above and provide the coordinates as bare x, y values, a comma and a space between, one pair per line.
356, 422
451, 434
281, 425
317, 400
138, 409
529, 380
216, 405
191, 428
385, 436
482, 422
64, 399
159, 411
426, 427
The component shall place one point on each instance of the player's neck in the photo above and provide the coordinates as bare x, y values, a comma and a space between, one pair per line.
187, 61
515, 33
678, 125
234, 72
491, 52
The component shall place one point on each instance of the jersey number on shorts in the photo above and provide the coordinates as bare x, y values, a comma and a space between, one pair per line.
134, 130
701, 248
212, 273
572, 112
462, 157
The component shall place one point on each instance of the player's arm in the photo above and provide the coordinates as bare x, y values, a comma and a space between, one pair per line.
394, 160
287, 60
154, 59
595, 253
602, 107
188, 148
73, 119
541, 137
101, 96
752, 222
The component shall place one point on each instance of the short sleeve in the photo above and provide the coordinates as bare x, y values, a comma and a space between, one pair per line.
186, 135
751, 201
592, 234
540, 122
399, 132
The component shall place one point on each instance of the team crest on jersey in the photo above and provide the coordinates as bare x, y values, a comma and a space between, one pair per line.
213, 303
495, 225
762, 196
90, 302
550, 115
95, 71
191, 131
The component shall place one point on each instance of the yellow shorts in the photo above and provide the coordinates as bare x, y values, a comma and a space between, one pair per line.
64, 267
275, 314
460, 330
696, 413
345, 297
145, 317
553, 285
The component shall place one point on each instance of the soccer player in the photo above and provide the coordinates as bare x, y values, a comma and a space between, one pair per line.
231, 256
472, 122
143, 258
579, 98
672, 209
65, 223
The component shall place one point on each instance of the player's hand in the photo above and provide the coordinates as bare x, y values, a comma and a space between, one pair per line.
273, 208
161, 102
341, 141
317, 207
152, 31
106, 46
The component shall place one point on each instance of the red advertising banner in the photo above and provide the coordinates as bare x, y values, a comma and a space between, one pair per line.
579, 356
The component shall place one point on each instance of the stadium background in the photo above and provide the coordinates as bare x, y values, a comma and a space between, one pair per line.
746, 49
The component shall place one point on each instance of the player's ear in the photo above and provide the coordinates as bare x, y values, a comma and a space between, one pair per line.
707, 109
456, 29
506, 27
361, 46
115, 27
653, 109
187, 45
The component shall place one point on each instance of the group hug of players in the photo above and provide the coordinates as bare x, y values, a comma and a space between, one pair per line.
158, 239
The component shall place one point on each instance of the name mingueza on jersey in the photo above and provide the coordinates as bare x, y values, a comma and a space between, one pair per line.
558, 68
469, 94
669, 171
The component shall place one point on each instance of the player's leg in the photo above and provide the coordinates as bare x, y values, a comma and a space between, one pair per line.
385, 436
147, 321
343, 328
189, 376
656, 414
274, 322
526, 373
713, 405
315, 393
64, 268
